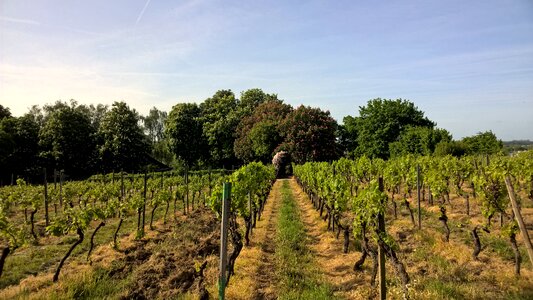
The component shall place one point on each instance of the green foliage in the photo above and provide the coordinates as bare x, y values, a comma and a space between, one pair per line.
219, 119
347, 135
67, 139
381, 122
19, 149
490, 186
259, 134
482, 143
124, 146
252, 180
183, 129
418, 141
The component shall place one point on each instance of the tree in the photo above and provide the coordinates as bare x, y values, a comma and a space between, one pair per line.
124, 146
309, 135
19, 139
184, 131
419, 141
482, 143
252, 98
4, 112
454, 148
259, 134
67, 139
219, 119
154, 125
347, 135
380, 123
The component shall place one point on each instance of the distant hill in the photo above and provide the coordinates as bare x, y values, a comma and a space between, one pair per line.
518, 145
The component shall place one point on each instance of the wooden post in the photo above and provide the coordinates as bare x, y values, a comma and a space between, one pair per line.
226, 192
187, 189
122, 185
418, 195
518, 217
55, 179
61, 188
209, 176
144, 202
47, 219
381, 252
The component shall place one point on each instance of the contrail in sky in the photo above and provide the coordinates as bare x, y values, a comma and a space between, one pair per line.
142, 12
23, 21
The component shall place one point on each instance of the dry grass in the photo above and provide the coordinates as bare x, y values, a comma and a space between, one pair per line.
252, 277
336, 267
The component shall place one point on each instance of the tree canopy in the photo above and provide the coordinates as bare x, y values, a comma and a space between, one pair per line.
309, 135
382, 121
67, 139
125, 146
184, 131
482, 143
259, 134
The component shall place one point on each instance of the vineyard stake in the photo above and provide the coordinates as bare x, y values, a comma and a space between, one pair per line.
224, 239
381, 252
418, 195
518, 217
47, 220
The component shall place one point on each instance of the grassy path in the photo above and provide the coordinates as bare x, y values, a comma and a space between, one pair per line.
279, 263
335, 266
255, 267
299, 275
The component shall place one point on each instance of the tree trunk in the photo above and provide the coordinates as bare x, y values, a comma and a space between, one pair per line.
32, 218
346, 239
166, 213
152, 216
102, 224
477, 243
5, 253
468, 205
80, 239
517, 257
115, 245
444, 219
408, 206
236, 240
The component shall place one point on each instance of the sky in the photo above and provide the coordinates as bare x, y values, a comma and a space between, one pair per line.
467, 64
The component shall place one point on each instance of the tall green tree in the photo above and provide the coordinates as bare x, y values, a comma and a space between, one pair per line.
482, 143
252, 98
67, 139
124, 145
19, 151
347, 136
382, 121
418, 141
154, 124
183, 129
4, 112
154, 128
259, 134
219, 118
309, 135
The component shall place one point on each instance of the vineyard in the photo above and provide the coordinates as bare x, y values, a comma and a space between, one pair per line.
318, 235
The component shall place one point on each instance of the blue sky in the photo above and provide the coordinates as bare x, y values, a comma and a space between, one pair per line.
467, 64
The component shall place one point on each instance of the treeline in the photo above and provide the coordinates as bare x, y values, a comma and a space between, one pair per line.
222, 131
